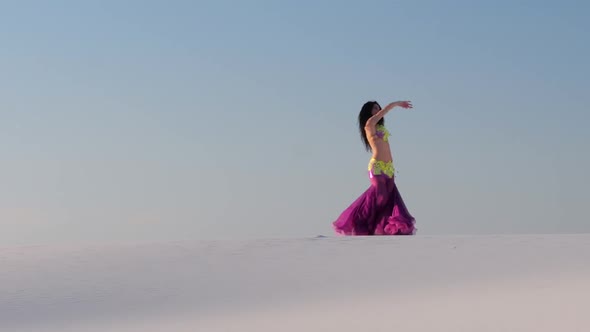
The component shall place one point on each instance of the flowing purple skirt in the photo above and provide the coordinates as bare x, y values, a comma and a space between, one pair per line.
380, 210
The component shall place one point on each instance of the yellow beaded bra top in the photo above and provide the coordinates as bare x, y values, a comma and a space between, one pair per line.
379, 167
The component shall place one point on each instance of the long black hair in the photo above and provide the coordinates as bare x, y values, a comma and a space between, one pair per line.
364, 115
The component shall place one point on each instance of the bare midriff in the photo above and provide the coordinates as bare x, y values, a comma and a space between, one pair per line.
381, 162
379, 142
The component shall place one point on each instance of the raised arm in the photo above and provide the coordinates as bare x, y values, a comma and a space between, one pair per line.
379, 115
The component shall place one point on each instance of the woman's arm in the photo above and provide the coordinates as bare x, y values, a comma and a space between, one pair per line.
379, 115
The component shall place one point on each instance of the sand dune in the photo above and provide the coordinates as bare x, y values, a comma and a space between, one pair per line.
421, 283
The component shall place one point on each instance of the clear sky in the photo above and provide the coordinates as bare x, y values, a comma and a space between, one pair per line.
175, 120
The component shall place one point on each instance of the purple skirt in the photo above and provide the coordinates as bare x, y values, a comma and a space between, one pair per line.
380, 210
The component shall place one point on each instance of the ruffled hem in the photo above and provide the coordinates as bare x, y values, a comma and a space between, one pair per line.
380, 210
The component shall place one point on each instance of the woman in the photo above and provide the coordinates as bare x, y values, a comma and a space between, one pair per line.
380, 210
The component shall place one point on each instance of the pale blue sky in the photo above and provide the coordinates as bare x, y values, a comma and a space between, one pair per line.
175, 120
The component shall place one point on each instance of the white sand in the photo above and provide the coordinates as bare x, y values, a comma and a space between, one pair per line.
462, 283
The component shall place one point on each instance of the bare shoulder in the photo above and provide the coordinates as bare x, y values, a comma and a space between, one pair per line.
370, 128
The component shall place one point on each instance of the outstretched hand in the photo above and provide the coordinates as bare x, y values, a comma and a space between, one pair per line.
403, 104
